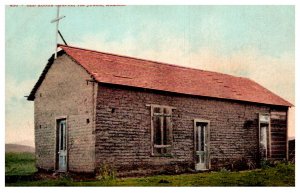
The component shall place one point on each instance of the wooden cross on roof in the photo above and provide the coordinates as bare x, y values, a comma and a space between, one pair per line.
57, 31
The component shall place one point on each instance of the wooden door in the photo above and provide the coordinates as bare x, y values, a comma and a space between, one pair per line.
201, 145
264, 137
62, 145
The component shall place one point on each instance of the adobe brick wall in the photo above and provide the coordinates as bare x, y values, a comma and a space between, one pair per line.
123, 136
64, 92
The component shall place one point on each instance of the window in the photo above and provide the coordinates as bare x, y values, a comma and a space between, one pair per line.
161, 130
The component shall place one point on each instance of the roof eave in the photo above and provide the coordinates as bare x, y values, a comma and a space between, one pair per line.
287, 104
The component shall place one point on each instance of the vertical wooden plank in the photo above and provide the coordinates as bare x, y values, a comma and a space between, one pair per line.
195, 143
270, 138
59, 139
200, 137
152, 131
208, 145
169, 128
161, 118
65, 135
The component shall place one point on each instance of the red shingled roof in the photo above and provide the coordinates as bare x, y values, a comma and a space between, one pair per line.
123, 70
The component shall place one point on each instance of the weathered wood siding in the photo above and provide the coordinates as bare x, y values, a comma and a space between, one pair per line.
279, 134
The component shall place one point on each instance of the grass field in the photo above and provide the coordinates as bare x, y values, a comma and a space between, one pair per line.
281, 175
19, 164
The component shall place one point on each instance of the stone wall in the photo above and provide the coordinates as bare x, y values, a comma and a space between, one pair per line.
123, 129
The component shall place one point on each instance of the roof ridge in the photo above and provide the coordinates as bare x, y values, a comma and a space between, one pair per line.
157, 62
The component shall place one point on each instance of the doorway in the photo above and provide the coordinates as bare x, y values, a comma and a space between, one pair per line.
61, 145
264, 137
201, 141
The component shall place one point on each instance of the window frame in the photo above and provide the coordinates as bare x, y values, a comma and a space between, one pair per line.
152, 114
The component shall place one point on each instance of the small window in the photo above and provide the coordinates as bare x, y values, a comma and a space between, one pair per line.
161, 130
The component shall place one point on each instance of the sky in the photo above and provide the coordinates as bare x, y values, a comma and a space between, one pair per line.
257, 42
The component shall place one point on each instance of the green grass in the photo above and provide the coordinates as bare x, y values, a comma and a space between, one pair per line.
281, 175
19, 164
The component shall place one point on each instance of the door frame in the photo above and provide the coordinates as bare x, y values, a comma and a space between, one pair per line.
208, 162
265, 118
56, 164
